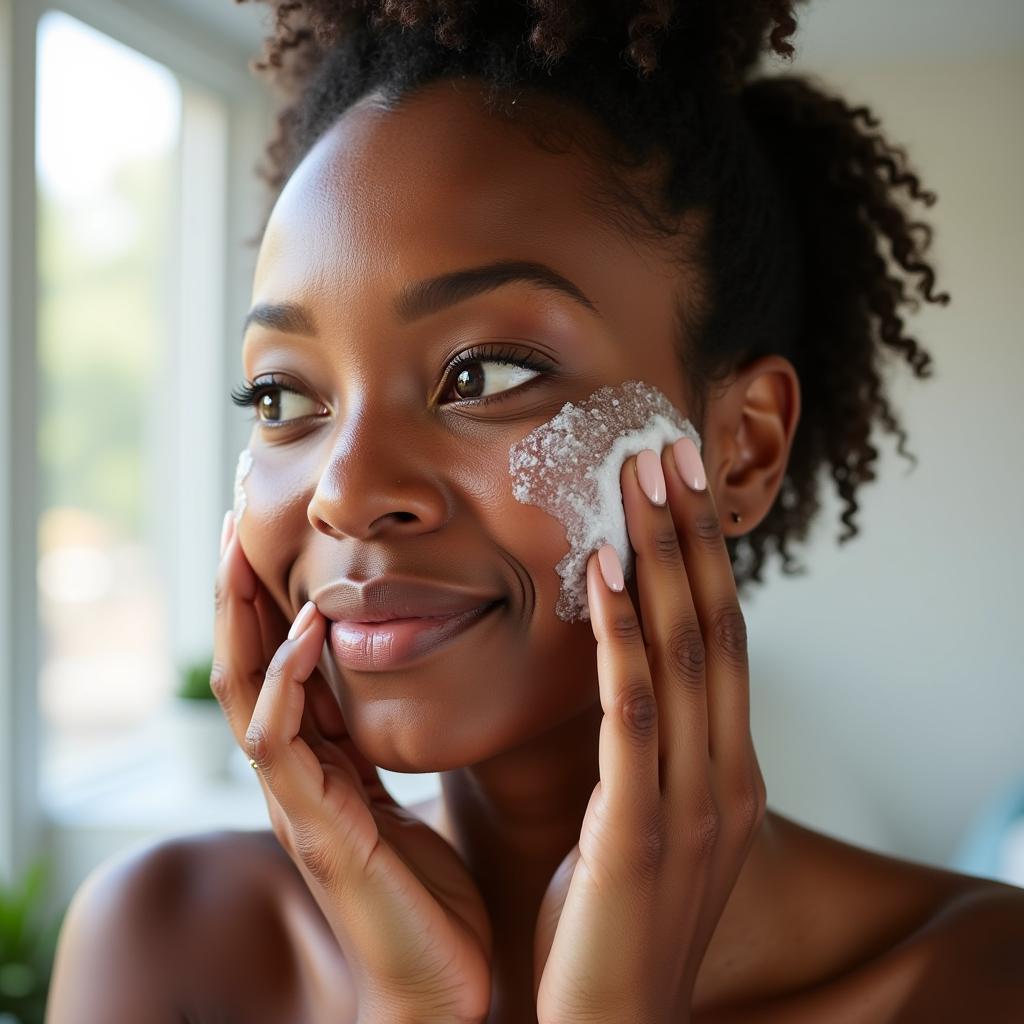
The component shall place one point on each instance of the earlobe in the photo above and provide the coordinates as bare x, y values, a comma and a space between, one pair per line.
749, 432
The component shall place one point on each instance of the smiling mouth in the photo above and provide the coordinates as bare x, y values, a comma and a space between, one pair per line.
392, 643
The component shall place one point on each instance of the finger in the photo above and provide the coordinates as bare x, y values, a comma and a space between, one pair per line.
274, 629
253, 622
273, 624
319, 792
329, 722
323, 721
672, 630
723, 627
284, 759
238, 665
628, 745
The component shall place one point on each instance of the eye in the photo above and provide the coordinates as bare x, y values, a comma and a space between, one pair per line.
276, 404
485, 373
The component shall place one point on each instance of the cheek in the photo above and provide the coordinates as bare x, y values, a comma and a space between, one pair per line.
270, 512
538, 543
532, 541
570, 467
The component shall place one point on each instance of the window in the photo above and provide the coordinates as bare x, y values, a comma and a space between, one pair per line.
125, 271
129, 135
108, 125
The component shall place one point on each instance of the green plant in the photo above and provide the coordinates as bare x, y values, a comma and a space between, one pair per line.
195, 680
28, 943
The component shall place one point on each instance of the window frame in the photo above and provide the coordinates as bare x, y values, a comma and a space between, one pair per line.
206, 67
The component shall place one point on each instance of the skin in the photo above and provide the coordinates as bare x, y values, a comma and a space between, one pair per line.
524, 715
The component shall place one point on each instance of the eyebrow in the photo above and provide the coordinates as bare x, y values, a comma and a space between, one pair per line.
433, 295
438, 293
280, 316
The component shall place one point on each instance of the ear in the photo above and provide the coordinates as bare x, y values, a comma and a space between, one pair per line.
748, 434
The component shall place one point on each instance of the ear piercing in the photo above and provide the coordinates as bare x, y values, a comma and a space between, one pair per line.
736, 517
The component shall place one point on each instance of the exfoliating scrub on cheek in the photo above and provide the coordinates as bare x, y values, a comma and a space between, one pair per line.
241, 472
570, 468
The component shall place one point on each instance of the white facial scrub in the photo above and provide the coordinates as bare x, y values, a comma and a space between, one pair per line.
241, 472
570, 468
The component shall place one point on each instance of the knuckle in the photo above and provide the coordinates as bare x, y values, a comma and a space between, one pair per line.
649, 850
638, 711
706, 829
665, 547
220, 683
317, 853
257, 743
686, 654
625, 628
750, 807
729, 633
708, 529
276, 672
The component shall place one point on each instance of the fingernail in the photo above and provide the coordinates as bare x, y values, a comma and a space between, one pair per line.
611, 567
302, 620
651, 476
226, 531
691, 469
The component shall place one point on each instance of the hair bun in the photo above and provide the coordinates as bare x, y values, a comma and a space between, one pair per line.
722, 40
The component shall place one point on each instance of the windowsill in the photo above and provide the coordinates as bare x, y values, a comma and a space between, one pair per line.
144, 786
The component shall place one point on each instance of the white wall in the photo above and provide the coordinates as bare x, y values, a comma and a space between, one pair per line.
887, 691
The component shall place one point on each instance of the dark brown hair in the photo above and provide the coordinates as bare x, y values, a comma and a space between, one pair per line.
809, 250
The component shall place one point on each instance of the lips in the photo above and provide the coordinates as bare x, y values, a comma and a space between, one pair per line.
382, 646
389, 621
395, 597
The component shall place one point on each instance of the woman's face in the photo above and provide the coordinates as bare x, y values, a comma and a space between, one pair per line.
377, 457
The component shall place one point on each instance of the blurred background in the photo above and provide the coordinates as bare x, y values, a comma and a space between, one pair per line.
887, 683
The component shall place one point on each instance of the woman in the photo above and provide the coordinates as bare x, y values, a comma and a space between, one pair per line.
480, 216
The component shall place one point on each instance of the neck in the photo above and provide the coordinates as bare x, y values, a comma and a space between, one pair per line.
514, 817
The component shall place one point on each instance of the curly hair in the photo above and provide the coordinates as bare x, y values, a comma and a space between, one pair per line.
809, 249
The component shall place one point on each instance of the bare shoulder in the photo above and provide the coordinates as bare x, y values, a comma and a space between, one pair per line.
965, 961
970, 956
192, 928
870, 937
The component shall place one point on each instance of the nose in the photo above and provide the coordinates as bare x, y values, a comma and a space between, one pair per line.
374, 483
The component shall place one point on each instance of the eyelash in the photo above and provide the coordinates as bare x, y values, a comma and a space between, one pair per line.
248, 393
506, 355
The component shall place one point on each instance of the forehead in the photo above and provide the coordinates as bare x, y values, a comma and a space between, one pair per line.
437, 182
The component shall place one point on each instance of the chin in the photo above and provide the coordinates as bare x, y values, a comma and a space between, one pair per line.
406, 734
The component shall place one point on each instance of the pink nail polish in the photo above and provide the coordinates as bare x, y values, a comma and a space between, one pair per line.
688, 462
302, 620
611, 567
651, 476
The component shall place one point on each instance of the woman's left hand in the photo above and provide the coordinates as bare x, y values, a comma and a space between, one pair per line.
626, 920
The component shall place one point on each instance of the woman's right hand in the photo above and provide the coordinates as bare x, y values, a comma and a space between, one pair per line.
408, 917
